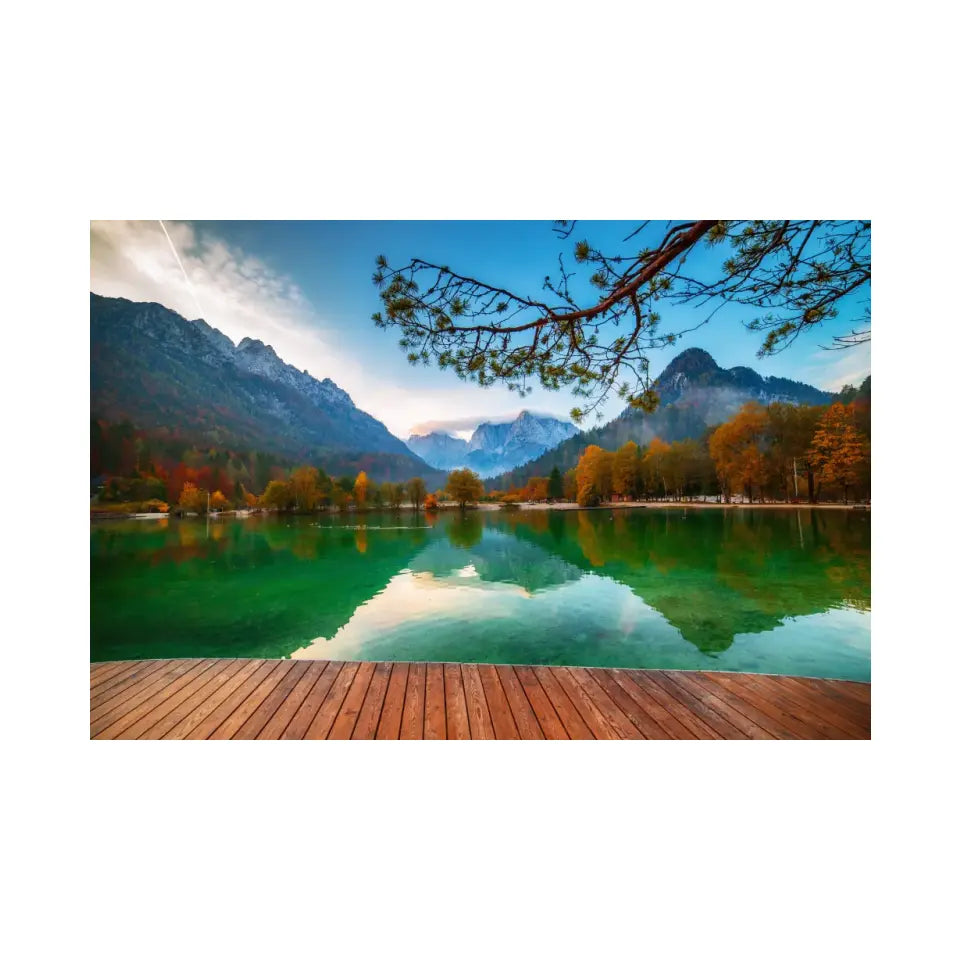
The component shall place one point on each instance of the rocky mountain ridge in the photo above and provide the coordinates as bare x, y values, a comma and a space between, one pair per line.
493, 447
151, 366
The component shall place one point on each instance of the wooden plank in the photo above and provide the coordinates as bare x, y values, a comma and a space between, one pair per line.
593, 717
658, 713
478, 713
123, 685
350, 708
112, 670
98, 671
148, 714
290, 699
263, 714
819, 705
434, 709
838, 698
276, 726
215, 700
504, 726
213, 714
849, 689
411, 726
572, 722
230, 668
306, 714
392, 713
103, 716
618, 719
846, 714
645, 724
696, 705
745, 697
458, 726
523, 713
547, 718
670, 706
369, 717
773, 692
251, 703
323, 722
747, 726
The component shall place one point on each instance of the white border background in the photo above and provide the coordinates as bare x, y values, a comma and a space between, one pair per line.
499, 110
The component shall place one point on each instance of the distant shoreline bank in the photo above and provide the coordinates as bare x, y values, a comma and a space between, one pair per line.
694, 504
497, 508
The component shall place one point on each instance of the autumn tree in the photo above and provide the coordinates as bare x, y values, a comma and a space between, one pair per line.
735, 450
416, 490
360, 486
536, 489
555, 484
594, 476
570, 484
838, 448
192, 499
682, 467
793, 273
464, 486
790, 431
430, 502
652, 466
341, 493
304, 487
394, 496
278, 495
626, 471
218, 501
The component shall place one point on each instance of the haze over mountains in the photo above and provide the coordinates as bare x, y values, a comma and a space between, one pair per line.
493, 447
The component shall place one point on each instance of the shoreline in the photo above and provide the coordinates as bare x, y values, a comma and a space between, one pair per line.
497, 508
684, 504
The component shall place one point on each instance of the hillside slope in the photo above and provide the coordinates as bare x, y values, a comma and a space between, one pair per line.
152, 367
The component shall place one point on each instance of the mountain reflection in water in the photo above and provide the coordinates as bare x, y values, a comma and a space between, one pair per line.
774, 591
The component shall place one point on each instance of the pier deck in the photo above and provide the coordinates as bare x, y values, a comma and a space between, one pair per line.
327, 699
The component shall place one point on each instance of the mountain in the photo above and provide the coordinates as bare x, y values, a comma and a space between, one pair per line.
493, 447
695, 369
439, 449
159, 371
695, 393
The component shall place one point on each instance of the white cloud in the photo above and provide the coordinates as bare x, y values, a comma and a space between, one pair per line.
833, 369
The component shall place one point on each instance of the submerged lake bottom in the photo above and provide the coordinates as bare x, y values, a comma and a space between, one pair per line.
782, 591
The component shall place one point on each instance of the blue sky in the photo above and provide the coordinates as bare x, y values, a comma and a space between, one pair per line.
305, 288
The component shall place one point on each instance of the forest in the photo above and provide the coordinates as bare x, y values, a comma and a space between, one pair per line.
136, 470
780, 452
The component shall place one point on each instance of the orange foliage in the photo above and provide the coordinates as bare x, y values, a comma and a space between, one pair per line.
360, 489
594, 476
838, 447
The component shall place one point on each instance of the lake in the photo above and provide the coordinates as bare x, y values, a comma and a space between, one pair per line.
766, 590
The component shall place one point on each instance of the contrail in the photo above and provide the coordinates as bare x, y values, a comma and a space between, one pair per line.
176, 255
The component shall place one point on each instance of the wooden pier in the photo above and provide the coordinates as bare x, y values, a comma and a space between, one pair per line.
327, 699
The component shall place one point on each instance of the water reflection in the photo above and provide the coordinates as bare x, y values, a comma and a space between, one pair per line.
784, 591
